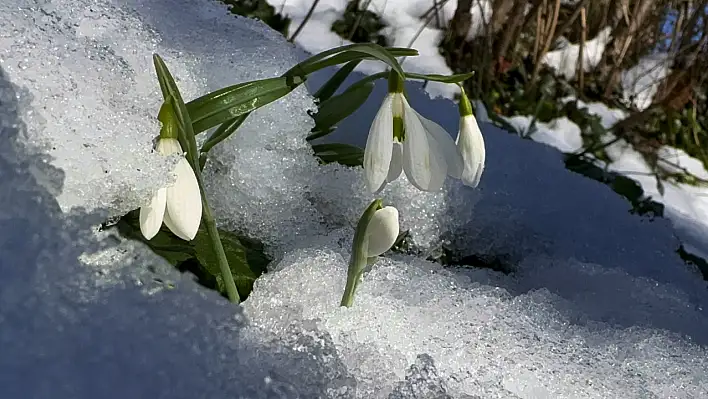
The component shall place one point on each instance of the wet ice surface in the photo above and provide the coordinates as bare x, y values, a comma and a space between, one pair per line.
600, 307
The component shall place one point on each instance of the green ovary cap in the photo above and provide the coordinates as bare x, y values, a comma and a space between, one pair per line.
170, 127
395, 82
465, 105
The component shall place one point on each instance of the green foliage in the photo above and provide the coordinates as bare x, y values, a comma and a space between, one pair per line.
260, 9
332, 85
359, 26
344, 154
336, 108
686, 129
224, 105
246, 257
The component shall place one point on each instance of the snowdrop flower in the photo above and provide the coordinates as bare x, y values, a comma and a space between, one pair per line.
382, 231
401, 140
470, 144
179, 206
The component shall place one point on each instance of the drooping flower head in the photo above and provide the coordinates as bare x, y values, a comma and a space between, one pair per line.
470, 144
402, 140
179, 205
382, 231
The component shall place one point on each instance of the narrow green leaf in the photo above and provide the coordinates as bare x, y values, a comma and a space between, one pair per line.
171, 93
228, 103
341, 106
328, 89
316, 134
344, 154
394, 51
225, 130
355, 51
441, 78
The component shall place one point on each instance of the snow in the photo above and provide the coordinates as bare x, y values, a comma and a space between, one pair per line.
608, 116
640, 83
565, 60
599, 304
560, 133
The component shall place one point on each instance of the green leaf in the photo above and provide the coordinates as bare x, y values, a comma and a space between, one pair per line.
316, 134
454, 79
224, 105
171, 94
223, 132
344, 154
328, 89
246, 267
341, 106
246, 257
368, 80
349, 53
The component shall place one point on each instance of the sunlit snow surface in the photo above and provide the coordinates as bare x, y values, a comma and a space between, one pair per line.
601, 306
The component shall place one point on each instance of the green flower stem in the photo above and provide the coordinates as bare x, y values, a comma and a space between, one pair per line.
358, 259
218, 248
349, 289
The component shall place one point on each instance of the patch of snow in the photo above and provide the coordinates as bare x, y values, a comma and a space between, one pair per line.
640, 83
560, 133
565, 60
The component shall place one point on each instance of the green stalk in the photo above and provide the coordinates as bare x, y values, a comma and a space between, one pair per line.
216, 245
349, 289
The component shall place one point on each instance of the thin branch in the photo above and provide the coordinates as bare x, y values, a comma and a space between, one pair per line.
304, 21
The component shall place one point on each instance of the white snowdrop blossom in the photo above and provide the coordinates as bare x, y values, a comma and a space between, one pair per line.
402, 140
179, 206
382, 231
470, 143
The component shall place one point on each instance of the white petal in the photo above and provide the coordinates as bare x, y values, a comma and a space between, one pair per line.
169, 146
439, 166
152, 214
184, 203
419, 165
173, 228
382, 231
471, 145
450, 153
396, 166
379, 146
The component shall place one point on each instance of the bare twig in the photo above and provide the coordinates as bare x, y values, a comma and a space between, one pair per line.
547, 45
422, 27
581, 51
304, 21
